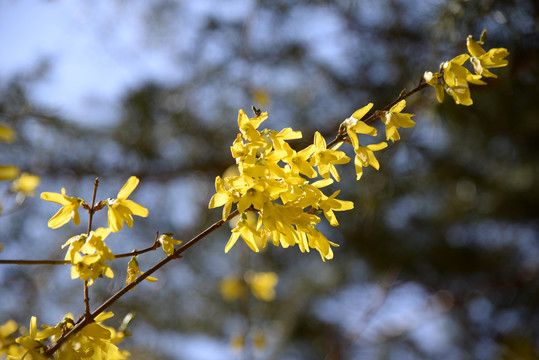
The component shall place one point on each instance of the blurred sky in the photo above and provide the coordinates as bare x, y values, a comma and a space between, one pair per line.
93, 53
91, 56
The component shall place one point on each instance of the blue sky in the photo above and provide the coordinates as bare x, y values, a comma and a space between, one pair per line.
94, 54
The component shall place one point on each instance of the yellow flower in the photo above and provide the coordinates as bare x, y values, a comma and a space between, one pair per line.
259, 339
248, 126
253, 238
75, 244
456, 77
30, 341
238, 341
394, 119
432, 79
8, 172
167, 242
26, 184
88, 254
121, 209
365, 157
254, 195
7, 134
68, 210
262, 284
232, 288
330, 204
133, 272
301, 163
319, 242
326, 159
354, 126
222, 197
482, 60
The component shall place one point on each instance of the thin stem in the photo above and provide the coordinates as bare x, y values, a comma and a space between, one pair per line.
154, 246
177, 254
34, 262
91, 212
86, 299
341, 136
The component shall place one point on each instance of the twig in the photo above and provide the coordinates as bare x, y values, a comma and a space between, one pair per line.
341, 136
91, 212
155, 246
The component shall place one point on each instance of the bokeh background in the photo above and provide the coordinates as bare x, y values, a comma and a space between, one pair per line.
439, 258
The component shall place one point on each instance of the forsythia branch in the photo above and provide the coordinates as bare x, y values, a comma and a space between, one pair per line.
177, 254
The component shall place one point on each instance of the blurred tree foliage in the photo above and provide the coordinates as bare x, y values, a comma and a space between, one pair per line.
452, 212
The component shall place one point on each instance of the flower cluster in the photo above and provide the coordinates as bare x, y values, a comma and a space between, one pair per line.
94, 341
284, 187
120, 208
454, 78
88, 253
275, 182
89, 257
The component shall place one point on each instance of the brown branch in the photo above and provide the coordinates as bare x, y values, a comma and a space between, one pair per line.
34, 262
91, 212
135, 252
177, 254
341, 136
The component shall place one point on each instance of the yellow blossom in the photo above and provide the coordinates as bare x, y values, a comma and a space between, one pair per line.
7, 134
330, 204
262, 284
249, 234
301, 162
254, 196
232, 288
326, 159
248, 126
394, 119
29, 341
68, 210
482, 60
26, 184
8, 172
365, 157
133, 272
121, 209
269, 170
433, 80
222, 197
457, 77
88, 254
354, 126
319, 242
259, 339
238, 341
167, 242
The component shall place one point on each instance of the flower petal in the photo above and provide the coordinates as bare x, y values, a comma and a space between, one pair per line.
128, 187
135, 208
61, 217
358, 114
